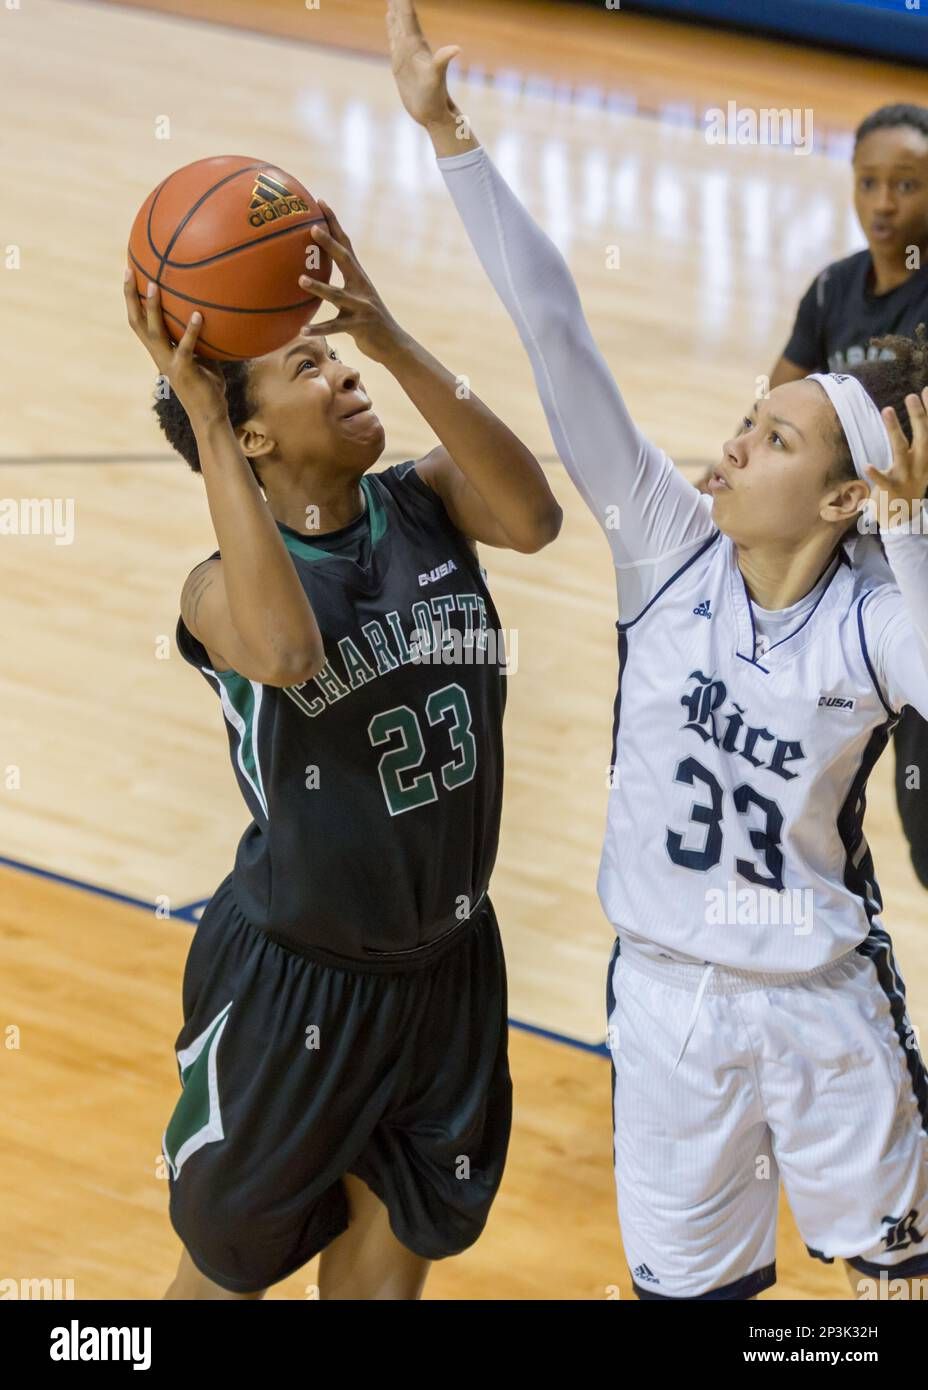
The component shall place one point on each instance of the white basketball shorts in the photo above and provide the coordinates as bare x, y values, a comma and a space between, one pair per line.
813, 1079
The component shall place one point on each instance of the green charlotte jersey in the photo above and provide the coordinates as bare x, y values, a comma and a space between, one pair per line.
376, 786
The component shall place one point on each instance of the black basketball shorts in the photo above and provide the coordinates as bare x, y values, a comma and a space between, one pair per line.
297, 1071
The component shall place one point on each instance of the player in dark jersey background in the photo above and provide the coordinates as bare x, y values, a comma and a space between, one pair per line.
884, 289
881, 290
344, 1049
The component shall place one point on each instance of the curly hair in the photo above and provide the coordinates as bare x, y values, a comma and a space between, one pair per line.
175, 423
887, 380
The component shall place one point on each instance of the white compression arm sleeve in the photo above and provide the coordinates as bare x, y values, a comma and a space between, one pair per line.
652, 517
896, 620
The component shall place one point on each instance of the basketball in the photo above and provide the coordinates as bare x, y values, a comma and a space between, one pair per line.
228, 236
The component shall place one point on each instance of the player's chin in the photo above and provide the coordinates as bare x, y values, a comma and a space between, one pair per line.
362, 437
725, 514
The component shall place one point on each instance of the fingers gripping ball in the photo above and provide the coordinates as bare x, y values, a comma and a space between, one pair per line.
228, 236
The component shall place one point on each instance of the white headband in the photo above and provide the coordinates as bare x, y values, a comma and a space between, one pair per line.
861, 421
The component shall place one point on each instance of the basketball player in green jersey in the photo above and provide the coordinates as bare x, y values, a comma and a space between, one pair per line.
343, 1056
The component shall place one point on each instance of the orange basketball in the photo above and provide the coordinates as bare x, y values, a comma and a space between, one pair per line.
228, 236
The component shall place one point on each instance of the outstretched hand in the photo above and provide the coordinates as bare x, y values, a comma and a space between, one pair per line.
906, 482
361, 311
421, 75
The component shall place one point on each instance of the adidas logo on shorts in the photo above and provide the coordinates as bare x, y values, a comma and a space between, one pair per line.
644, 1275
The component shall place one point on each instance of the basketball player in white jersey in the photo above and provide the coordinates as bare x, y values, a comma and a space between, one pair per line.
757, 1018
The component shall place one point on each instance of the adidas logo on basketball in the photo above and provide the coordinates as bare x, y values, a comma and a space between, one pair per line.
440, 572
271, 200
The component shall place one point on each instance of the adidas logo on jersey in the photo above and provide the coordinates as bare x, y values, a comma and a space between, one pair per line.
438, 573
644, 1275
835, 702
702, 611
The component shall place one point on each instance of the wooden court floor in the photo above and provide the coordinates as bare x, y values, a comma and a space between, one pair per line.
113, 763
92, 988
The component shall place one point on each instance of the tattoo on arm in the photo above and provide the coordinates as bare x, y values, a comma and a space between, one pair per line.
194, 589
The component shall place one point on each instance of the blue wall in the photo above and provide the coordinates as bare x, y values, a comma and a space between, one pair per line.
890, 28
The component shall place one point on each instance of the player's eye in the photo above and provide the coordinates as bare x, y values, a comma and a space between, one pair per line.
333, 354
306, 362
907, 185
777, 438
746, 424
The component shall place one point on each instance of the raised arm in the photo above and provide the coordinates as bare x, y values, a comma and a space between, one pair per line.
650, 514
248, 609
492, 487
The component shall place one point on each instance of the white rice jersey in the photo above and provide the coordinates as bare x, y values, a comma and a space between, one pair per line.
734, 829
741, 782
